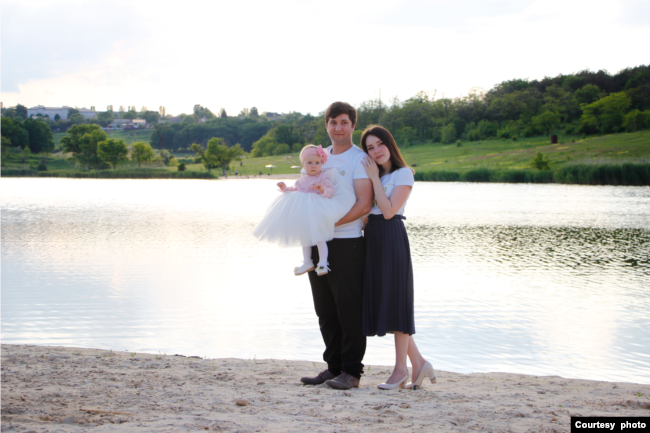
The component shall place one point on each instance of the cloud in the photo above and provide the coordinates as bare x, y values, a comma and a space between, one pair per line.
295, 55
42, 39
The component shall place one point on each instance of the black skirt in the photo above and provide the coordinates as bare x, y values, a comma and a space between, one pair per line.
387, 278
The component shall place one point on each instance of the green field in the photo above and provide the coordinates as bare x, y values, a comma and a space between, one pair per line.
503, 154
458, 157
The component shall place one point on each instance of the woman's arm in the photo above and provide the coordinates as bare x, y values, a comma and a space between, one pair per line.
388, 206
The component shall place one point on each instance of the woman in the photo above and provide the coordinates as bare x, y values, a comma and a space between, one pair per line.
388, 274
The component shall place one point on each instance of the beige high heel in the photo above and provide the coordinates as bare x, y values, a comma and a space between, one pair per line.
427, 370
399, 384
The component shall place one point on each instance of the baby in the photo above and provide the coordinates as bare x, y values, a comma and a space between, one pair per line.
305, 213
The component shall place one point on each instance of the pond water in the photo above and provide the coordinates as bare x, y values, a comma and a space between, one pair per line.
522, 278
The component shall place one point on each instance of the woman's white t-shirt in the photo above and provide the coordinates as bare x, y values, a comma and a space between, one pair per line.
401, 176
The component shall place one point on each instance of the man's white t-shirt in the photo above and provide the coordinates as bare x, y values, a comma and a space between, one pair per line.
349, 166
401, 176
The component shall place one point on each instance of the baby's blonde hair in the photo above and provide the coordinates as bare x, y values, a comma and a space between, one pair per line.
309, 146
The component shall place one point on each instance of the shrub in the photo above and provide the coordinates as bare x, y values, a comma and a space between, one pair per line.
42, 166
181, 166
449, 133
438, 176
540, 162
605, 174
282, 149
478, 175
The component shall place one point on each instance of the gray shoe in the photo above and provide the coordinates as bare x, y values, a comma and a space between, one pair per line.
343, 381
321, 378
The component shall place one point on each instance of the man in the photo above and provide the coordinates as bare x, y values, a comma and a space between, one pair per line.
337, 294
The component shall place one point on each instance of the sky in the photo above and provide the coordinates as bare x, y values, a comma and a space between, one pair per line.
283, 56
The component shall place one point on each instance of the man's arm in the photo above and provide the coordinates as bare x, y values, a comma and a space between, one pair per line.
363, 192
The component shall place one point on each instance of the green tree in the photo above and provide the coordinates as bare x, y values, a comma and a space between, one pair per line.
21, 111
209, 159
228, 154
546, 121
282, 149
6, 147
131, 114
636, 119
265, 146
587, 94
14, 131
142, 152
24, 154
187, 120
540, 162
151, 116
449, 133
607, 112
113, 151
40, 136
104, 117
82, 142
254, 113
286, 134
76, 119
200, 112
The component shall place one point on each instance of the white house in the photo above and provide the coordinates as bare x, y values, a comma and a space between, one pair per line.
51, 112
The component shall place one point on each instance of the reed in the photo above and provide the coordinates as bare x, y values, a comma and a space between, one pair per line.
604, 174
582, 174
127, 173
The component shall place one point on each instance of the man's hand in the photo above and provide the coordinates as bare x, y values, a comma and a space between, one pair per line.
282, 185
363, 192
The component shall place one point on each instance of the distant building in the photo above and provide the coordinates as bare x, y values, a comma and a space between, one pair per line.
51, 112
271, 116
174, 119
119, 123
128, 124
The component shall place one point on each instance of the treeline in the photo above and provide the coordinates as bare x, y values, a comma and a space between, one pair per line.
90, 148
583, 103
30, 134
233, 130
582, 174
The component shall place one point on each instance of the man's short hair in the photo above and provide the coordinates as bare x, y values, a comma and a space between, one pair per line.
338, 108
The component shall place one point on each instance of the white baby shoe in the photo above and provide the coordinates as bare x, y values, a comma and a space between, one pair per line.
306, 267
322, 270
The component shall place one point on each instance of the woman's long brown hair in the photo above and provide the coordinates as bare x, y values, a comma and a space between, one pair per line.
396, 159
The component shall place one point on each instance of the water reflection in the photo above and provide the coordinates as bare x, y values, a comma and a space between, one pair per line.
540, 279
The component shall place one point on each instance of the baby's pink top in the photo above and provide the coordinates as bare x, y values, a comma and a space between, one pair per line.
307, 182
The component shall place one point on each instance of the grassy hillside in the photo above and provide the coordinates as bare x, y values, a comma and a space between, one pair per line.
503, 154
459, 157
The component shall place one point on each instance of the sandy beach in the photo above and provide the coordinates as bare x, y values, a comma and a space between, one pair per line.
61, 389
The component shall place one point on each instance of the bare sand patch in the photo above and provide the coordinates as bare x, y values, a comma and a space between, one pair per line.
62, 389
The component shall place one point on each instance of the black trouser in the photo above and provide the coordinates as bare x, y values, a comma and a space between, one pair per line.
337, 300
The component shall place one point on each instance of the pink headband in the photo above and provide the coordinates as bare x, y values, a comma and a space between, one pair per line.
314, 151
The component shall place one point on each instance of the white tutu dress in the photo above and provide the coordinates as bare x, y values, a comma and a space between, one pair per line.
297, 218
